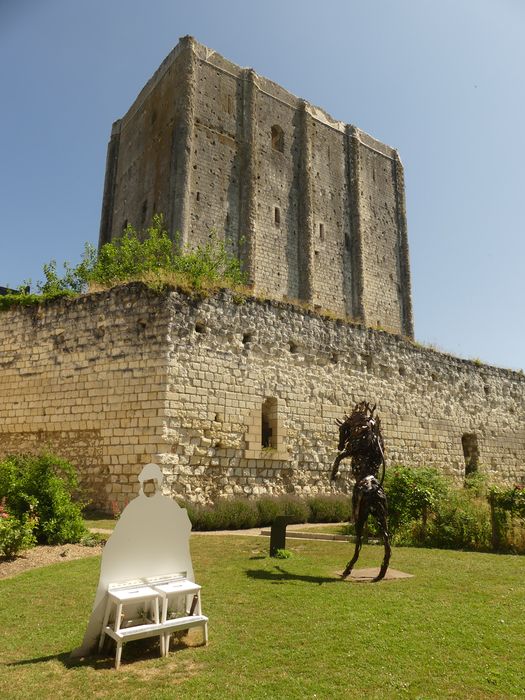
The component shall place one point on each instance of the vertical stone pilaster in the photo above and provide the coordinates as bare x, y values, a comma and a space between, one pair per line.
403, 255
353, 162
183, 147
108, 200
247, 244
305, 253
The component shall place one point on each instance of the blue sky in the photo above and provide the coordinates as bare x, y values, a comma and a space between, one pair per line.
440, 80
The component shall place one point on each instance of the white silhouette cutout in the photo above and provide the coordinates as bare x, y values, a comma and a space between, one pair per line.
151, 538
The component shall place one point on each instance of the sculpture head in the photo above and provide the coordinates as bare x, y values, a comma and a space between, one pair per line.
360, 432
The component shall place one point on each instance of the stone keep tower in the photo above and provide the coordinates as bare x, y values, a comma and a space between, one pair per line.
313, 207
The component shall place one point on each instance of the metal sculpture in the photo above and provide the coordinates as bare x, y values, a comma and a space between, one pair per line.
361, 440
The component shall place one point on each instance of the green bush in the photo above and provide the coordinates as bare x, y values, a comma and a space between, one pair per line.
460, 522
329, 509
412, 495
425, 510
226, 514
43, 486
296, 508
511, 499
508, 518
134, 255
16, 535
203, 518
243, 513
269, 508
476, 483
237, 513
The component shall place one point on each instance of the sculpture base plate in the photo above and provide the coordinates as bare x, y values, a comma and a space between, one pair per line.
368, 575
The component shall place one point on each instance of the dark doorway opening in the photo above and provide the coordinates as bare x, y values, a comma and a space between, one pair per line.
470, 452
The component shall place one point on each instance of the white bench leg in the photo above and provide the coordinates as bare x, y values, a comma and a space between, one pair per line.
156, 618
104, 625
118, 654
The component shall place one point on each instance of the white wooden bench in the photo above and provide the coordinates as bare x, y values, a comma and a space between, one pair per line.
152, 593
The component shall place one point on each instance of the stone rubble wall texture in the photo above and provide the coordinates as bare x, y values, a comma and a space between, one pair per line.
85, 379
321, 218
116, 379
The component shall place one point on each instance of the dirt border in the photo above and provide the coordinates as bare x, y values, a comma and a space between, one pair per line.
44, 555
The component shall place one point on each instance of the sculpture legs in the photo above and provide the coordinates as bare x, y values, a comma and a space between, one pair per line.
365, 502
382, 522
360, 520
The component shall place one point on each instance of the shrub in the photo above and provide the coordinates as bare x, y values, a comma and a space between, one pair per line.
269, 508
242, 513
16, 535
134, 255
424, 510
329, 509
202, 518
296, 508
43, 486
209, 263
460, 522
93, 539
476, 483
511, 500
507, 518
283, 554
237, 513
226, 514
412, 494
74, 280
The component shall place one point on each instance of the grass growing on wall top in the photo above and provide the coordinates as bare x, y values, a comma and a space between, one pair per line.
285, 629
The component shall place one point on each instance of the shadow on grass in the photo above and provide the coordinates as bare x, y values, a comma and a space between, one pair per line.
136, 650
65, 659
280, 575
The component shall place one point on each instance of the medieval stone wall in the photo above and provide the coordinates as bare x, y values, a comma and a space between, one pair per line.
85, 378
226, 360
237, 398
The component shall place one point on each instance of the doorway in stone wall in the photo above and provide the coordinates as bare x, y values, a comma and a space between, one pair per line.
470, 445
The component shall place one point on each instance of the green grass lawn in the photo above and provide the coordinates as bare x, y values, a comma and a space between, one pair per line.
101, 522
284, 629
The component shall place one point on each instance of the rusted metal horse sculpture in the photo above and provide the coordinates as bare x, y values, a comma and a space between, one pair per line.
360, 439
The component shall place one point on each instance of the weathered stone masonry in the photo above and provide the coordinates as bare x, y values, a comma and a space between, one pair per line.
313, 207
86, 379
236, 398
